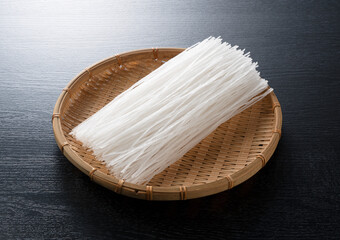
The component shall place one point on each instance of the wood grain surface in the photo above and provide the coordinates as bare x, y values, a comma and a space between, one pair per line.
44, 44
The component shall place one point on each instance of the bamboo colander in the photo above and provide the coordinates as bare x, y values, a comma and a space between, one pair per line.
231, 154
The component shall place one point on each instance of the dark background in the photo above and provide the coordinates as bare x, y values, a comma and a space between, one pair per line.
44, 44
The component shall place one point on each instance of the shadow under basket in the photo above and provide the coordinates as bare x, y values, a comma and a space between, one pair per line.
231, 154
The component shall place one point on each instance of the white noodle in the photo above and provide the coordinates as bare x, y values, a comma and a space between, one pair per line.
161, 117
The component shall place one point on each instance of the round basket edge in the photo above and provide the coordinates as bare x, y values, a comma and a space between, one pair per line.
158, 193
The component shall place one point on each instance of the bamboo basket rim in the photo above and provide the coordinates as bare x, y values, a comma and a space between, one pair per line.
155, 192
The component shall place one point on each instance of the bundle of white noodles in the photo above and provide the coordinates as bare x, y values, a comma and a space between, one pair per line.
161, 117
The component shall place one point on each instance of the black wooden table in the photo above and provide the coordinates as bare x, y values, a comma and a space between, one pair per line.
44, 44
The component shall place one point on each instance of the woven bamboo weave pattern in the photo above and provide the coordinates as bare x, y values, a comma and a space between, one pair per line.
235, 151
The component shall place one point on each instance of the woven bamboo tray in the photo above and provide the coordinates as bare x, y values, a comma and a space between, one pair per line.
231, 154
